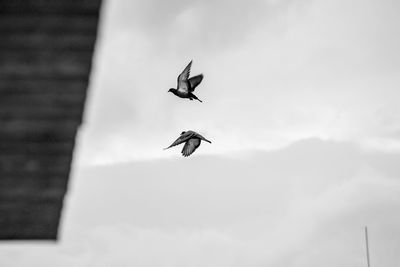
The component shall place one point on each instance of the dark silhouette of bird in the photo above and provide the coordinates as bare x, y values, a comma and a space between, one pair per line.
192, 141
186, 85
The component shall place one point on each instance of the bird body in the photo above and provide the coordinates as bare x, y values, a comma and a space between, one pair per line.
192, 141
186, 85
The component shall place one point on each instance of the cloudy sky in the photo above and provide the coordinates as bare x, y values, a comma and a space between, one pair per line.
301, 103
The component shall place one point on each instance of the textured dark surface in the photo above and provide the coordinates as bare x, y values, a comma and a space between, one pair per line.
46, 49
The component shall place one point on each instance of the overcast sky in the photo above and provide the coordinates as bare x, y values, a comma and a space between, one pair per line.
275, 72
301, 102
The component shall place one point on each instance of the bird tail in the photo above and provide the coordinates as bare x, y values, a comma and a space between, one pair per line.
195, 97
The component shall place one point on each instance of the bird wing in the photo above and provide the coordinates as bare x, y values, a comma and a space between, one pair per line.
190, 146
183, 77
181, 139
201, 137
194, 81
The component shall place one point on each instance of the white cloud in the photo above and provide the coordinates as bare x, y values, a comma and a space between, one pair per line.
304, 205
275, 72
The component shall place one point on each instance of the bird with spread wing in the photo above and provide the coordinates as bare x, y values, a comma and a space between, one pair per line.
192, 141
186, 85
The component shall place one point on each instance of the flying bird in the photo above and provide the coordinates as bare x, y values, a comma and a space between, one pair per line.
186, 85
192, 141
